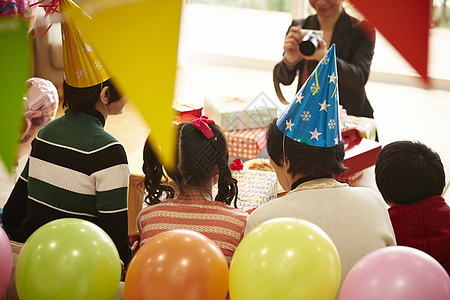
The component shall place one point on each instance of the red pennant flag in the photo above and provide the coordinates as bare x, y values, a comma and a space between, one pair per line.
405, 24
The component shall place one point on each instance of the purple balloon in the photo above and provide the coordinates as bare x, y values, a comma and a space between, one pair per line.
396, 273
6, 261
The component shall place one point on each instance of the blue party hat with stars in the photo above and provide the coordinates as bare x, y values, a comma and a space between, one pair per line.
312, 117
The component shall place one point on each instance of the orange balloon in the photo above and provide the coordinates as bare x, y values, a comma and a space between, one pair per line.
179, 265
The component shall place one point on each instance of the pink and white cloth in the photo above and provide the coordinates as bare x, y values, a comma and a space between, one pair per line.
41, 103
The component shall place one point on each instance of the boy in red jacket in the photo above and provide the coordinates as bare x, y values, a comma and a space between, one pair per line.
411, 178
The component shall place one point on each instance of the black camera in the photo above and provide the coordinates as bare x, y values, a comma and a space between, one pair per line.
309, 43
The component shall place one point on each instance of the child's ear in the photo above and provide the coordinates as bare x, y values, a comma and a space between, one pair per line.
287, 164
104, 95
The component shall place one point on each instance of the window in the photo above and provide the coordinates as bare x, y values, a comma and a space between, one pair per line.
273, 5
250, 33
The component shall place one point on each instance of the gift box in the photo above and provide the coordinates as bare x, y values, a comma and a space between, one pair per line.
358, 158
366, 126
187, 112
232, 113
254, 188
247, 143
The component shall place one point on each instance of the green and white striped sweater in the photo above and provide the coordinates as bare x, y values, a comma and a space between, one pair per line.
75, 166
75, 169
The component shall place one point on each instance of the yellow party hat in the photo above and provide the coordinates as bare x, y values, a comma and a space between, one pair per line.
82, 67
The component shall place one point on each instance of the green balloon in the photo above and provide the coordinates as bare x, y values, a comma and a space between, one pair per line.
68, 259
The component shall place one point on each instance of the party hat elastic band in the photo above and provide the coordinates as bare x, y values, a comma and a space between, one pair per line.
312, 117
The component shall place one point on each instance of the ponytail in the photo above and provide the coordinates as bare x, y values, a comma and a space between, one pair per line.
227, 185
154, 178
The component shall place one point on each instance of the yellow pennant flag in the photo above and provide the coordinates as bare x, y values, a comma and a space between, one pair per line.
137, 40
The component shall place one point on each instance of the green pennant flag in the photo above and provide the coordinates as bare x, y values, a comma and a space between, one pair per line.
14, 71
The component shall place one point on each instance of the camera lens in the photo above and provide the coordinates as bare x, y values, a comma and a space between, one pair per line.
309, 44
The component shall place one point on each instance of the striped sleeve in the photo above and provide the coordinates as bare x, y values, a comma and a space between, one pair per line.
111, 182
24, 174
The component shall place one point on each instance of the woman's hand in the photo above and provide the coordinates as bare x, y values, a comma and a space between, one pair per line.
134, 247
292, 54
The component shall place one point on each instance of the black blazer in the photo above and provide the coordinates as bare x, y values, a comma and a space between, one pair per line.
355, 43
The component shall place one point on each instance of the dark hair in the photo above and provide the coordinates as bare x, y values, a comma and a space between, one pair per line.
304, 159
196, 156
407, 172
155, 181
84, 99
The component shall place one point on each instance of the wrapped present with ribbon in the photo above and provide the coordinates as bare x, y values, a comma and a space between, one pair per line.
232, 113
255, 188
247, 143
359, 157
366, 126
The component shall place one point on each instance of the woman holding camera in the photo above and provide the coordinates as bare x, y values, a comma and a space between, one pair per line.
355, 43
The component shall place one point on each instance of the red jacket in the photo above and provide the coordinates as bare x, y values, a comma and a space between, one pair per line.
424, 225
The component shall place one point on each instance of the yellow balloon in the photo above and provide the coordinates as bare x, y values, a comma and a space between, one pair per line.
138, 43
285, 258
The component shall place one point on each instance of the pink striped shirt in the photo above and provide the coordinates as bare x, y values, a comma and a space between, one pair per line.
223, 224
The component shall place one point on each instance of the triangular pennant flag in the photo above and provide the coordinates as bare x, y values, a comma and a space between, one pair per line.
14, 71
405, 24
312, 117
138, 42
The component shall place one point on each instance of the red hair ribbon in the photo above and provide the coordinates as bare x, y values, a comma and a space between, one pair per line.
202, 125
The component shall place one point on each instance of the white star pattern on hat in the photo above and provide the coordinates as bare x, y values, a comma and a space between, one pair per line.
324, 106
315, 134
332, 78
289, 125
88, 48
80, 73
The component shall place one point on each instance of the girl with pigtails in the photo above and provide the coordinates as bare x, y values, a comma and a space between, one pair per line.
201, 162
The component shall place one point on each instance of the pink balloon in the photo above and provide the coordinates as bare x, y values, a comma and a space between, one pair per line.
396, 273
6, 261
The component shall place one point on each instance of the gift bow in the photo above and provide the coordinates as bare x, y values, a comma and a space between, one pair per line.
237, 165
202, 125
